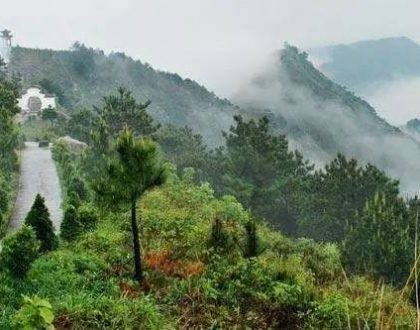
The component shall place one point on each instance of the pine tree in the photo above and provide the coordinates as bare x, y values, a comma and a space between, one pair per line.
262, 173
71, 227
39, 219
133, 168
379, 242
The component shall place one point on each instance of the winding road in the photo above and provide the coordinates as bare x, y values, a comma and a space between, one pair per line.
38, 174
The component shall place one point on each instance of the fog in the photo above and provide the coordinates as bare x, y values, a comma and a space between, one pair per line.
320, 129
222, 44
218, 43
397, 101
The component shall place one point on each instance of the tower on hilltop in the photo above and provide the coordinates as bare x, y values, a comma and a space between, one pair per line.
5, 45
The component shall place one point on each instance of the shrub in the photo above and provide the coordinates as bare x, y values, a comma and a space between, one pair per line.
88, 216
20, 249
71, 227
331, 313
35, 313
322, 259
78, 186
4, 194
39, 219
73, 199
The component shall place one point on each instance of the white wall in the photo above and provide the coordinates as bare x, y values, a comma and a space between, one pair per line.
34, 91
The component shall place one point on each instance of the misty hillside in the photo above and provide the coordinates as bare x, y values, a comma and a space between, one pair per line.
82, 76
363, 63
322, 118
412, 128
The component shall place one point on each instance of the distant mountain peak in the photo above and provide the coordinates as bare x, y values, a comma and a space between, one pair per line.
363, 63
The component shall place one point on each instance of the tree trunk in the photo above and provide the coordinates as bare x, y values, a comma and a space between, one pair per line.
138, 271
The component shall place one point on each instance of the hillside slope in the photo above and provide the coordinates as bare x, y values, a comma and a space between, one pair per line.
82, 76
322, 118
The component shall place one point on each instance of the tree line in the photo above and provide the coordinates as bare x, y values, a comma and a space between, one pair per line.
355, 205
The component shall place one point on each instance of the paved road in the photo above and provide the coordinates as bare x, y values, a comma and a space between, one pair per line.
38, 175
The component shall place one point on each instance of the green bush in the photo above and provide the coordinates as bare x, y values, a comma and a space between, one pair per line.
73, 199
322, 259
19, 250
71, 226
331, 313
39, 219
88, 216
35, 313
78, 186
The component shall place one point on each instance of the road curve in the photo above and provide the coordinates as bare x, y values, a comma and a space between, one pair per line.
38, 174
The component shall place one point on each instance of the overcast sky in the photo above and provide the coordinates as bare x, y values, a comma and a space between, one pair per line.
216, 42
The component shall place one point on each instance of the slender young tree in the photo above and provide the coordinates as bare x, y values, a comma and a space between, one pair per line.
134, 167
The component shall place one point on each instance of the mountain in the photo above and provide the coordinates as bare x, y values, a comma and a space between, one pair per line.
322, 118
360, 64
412, 128
82, 76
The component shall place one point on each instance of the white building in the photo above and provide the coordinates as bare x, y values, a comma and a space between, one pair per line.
34, 100
5, 45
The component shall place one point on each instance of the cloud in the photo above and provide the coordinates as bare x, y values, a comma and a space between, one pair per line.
216, 42
322, 128
397, 101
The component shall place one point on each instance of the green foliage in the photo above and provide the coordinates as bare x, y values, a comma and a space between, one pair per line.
36, 313
88, 216
8, 142
19, 251
39, 219
262, 173
49, 114
81, 125
219, 239
71, 227
82, 60
182, 212
123, 112
336, 193
331, 313
379, 242
252, 247
185, 149
322, 259
78, 187
134, 167
84, 75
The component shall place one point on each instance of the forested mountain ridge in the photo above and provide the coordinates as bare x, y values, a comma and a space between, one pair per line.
322, 118
362, 63
81, 76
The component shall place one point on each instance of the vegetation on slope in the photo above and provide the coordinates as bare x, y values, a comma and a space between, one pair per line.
81, 76
8, 144
211, 257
